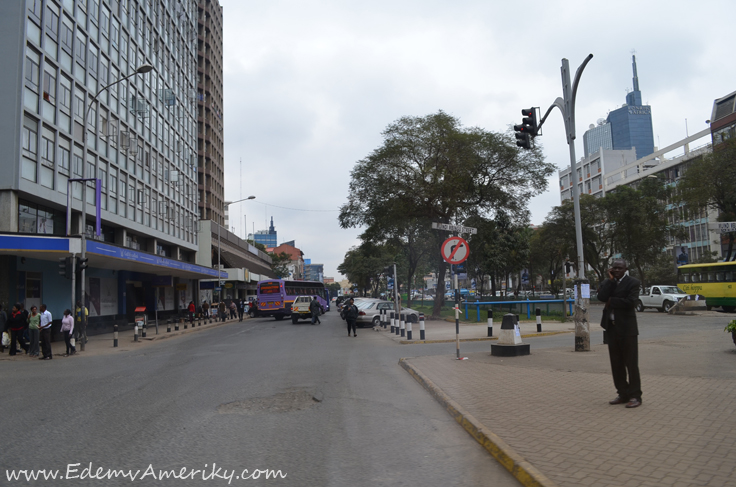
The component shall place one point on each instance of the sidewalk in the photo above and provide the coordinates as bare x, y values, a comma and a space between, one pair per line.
546, 416
103, 344
440, 331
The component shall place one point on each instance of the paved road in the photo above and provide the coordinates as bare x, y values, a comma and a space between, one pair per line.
324, 408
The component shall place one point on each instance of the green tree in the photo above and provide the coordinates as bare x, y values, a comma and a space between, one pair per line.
280, 264
710, 182
363, 265
433, 169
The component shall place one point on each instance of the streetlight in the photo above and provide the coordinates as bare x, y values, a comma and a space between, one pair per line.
219, 265
142, 69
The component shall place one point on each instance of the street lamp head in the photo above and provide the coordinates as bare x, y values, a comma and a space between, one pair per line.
251, 197
144, 68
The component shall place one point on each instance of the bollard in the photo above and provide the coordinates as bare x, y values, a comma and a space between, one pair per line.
168, 326
135, 333
392, 322
115, 335
144, 330
605, 337
176, 325
421, 326
408, 328
403, 324
490, 322
397, 328
185, 324
539, 320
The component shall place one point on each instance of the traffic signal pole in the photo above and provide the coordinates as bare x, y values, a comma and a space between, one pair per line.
567, 107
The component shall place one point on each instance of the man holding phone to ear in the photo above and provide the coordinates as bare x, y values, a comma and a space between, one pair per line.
620, 292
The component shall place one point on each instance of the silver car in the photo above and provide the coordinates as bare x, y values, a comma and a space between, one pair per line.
369, 312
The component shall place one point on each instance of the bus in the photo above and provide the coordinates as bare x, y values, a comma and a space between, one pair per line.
716, 281
275, 296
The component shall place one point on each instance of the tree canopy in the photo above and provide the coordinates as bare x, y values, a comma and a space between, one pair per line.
432, 169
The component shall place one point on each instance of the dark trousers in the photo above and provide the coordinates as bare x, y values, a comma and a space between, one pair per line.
16, 337
223, 315
351, 324
315, 317
68, 340
46, 342
191, 317
624, 354
240, 314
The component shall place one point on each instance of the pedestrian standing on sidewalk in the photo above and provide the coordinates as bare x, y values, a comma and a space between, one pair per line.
78, 327
67, 328
3, 327
620, 292
233, 310
17, 324
191, 310
241, 309
34, 322
222, 309
351, 316
314, 307
45, 327
205, 310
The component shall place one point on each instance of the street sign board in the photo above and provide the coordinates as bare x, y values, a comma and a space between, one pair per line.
454, 228
455, 250
723, 227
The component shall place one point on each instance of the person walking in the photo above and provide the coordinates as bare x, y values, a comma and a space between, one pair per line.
45, 329
241, 309
191, 310
205, 310
351, 315
17, 324
315, 308
233, 310
620, 292
34, 322
222, 309
67, 328
3, 328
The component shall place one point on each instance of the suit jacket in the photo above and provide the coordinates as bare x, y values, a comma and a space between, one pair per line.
622, 297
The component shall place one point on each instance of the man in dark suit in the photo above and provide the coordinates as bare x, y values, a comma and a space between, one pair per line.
620, 292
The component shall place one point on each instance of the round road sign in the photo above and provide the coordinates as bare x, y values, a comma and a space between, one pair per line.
455, 250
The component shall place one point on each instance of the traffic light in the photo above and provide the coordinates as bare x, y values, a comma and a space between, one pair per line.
81, 264
65, 267
528, 128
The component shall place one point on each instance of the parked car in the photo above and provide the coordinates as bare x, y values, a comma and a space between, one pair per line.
660, 297
369, 312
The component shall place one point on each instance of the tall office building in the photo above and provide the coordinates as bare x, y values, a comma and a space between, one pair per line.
267, 237
210, 145
103, 91
627, 127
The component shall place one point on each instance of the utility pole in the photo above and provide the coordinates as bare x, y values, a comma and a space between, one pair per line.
566, 104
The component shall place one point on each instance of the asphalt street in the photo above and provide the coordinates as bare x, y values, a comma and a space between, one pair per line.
323, 408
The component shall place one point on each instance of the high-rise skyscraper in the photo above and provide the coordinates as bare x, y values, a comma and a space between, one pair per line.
629, 126
211, 159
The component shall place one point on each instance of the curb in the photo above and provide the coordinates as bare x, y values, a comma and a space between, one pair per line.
517, 465
484, 339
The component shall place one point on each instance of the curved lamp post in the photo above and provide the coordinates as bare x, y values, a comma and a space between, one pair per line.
219, 278
142, 69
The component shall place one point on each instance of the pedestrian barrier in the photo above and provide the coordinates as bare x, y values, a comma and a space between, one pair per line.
421, 327
408, 330
393, 330
144, 330
135, 333
402, 324
168, 326
490, 322
567, 301
176, 325
539, 320
115, 335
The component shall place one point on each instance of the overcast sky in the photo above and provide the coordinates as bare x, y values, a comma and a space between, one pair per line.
310, 86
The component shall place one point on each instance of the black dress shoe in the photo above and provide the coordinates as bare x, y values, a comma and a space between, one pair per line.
633, 403
618, 400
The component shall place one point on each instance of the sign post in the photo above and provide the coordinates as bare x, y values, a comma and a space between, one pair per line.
455, 250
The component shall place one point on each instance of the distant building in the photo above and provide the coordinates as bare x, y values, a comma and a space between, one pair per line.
296, 267
628, 127
269, 237
314, 272
723, 119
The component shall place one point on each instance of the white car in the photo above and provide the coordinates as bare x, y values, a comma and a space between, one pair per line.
660, 297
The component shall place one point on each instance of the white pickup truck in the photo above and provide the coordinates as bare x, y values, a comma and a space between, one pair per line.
660, 297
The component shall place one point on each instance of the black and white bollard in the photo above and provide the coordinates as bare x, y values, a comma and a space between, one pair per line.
115, 335
144, 330
421, 327
176, 325
168, 326
397, 328
408, 327
509, 340
392, 322
490, 322
135, 333
185, 324
403, 324
539, 320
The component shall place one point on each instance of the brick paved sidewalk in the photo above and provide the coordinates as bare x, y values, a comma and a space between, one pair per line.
550, 410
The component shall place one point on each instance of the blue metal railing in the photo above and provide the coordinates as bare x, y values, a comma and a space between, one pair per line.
528, 303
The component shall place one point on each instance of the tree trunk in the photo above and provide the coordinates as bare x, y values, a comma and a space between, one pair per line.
439, 298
